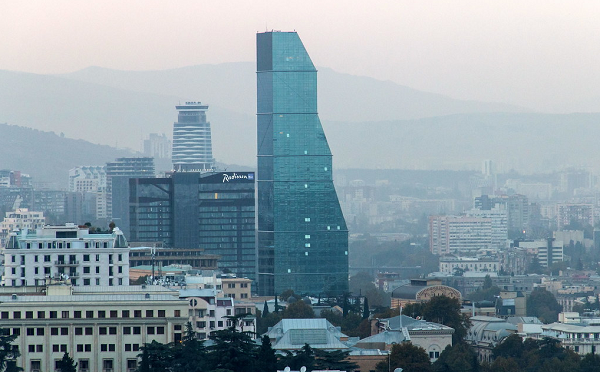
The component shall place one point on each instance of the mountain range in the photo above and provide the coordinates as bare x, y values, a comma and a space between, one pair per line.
369, 123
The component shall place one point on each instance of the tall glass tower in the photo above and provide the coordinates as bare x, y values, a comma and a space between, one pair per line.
302, 235
192, 145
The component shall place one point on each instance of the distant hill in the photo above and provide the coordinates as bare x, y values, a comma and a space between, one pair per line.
342, 97
47, 156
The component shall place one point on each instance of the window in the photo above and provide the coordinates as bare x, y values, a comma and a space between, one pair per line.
97, 281
54, 331
114, 314
86, 269
137, 330
231, 285
151, 330
65, 314
161, 313
30, 331
53, 315
104, 347
220, 323
97, 258
177, 313
97, 269
86, 282
89, 331
16, 331
39, 331
89, 314
177, 327
4, 315
126, 330
78, 331
127, 347
64, 331
80, 348
77, 314
149, 313
160, 330
125, 313
55, 348
136, 347
131, 364
16, 315
39, 348
137, 313
31, 348
88, 347
102, 330
47, 258
112, 330
101, 314
29, 314
86, 258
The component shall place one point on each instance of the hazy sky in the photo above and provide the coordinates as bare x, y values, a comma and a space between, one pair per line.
541, 54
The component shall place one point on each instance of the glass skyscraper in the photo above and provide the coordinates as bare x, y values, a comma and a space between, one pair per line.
302, 235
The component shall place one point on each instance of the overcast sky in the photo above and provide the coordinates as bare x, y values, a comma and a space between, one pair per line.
544, 55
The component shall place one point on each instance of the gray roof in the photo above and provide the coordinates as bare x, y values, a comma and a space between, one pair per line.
292, 334
89, 298
489, 329
412, 324
207, 292
386, 337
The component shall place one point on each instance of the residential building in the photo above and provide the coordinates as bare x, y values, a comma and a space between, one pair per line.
212, 211
192, 144
485, 333
459, 234
581, 338
574, 212
69, 251
20, 219
196, 258
102, 328
451, 264
237, 288
87, 178
499, 222
548, 251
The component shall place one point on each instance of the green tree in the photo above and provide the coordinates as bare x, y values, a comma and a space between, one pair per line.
487, 282
7, 351
413, 310
457, 358
265, 311
510, 347
232, 350
66, 364
190, 354
263, 323
366, 312
590, 363
446, 310
266, 358
543, 305
336, 360
407, 356
156, 357
305, 357
502, 364
298, 310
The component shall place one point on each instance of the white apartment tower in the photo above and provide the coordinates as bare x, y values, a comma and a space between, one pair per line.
192, 144
20, 219
66, 252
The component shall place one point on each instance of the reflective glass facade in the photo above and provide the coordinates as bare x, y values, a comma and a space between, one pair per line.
302, 235
212, 211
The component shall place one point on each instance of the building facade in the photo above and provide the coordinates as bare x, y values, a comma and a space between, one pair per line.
192, 144
20, 219
459, 234
102, 331
69, 251
212, 211
302, 234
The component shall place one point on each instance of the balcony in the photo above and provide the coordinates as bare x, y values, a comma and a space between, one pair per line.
66, 263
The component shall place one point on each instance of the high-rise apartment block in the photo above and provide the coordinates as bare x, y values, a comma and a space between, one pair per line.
459, 235
192, 144
20, 219
212, 211
302, 234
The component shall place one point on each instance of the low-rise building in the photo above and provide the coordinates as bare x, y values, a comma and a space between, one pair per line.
485, 333
293, 334
451, 264
102, 328
68, 252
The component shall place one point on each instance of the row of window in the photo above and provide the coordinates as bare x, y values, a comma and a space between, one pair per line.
89, 314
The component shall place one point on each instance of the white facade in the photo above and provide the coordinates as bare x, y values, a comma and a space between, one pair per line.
20, 219
449, 264
52, 252
547, 252
102, 331
459, 235
582, 339
499, 217
87, 178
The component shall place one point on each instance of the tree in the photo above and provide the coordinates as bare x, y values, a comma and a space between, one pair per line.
446, 310
414, 309
190, 354
590, 363
266, 358
156, 357
7, 351
457, 358
232, 350
298, 310
336, 360
487, 282
305, 357
265, 311
543, 305
66, 364
407, 356
502, 364
510, 347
